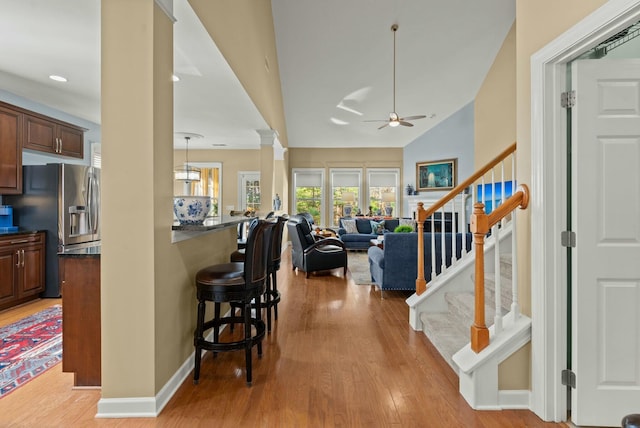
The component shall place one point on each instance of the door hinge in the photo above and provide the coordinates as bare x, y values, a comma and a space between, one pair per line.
568, 238
569, 378
568, 99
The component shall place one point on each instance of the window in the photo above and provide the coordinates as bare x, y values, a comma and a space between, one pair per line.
96, 155
383, 190
345, 193
210, 184
250, 198
307, 192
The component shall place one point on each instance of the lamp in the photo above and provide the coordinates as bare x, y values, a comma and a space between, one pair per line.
348, 198
388, 198
187, 173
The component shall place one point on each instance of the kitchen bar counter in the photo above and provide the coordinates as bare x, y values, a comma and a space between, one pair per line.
183, 232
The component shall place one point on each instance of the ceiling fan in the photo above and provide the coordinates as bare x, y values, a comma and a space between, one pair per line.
394, 119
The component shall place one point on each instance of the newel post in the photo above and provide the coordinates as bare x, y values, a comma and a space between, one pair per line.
421, 283
479, 227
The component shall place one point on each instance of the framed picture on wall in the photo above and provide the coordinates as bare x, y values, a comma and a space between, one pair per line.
436, 175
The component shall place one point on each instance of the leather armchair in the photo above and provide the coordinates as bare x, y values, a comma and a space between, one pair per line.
311, 255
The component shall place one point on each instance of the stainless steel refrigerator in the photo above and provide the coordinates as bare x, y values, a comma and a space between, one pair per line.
64, 201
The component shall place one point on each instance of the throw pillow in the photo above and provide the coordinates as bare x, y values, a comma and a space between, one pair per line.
349, 225
377, 227
408, 222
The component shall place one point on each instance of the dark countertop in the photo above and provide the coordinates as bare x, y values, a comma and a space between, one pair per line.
87, 251
20, 232
213, 223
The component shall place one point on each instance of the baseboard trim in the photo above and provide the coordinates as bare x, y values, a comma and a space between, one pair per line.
149, 407
516, 399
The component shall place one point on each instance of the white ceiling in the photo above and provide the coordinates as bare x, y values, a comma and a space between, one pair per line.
330, 52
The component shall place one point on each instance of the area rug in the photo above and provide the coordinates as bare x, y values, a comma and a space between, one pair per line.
29, 347
358, 264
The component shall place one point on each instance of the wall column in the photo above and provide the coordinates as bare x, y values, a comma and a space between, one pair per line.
137, 129
267, 140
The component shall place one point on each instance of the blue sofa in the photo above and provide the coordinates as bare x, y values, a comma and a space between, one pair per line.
361, 240
395, 266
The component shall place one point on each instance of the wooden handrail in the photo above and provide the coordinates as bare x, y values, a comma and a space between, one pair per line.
469, 181
422, 214
480, 225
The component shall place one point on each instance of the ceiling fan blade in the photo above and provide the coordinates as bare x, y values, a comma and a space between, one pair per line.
379, 120
384, 126
422, 116
403, 123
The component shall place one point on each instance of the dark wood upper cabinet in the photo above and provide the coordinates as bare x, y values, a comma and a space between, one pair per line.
51, 136
10, 151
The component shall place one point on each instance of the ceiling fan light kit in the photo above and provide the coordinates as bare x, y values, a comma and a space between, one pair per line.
394, 119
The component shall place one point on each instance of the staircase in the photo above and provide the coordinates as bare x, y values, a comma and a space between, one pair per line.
449, 331
475, 343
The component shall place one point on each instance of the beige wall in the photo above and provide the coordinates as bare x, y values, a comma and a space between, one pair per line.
244, 33
495, 106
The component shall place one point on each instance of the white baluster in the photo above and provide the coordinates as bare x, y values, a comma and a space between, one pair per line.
515, 307
502, 191
443, 254
452, 259
433, 247
493, 191
463, 223
495, 231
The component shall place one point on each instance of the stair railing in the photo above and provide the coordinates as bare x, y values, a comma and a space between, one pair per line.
481, 223
474, 187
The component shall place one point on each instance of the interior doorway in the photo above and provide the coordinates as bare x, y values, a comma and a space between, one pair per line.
549, 210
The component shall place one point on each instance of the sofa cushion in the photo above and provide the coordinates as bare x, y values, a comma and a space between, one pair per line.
349, 225
364, 226
377, 227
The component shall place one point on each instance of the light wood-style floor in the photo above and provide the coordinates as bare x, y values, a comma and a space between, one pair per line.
339, 356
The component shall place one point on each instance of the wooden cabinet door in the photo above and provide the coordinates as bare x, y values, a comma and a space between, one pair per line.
40, 134
71, 141
10, 152
32, 271
8, 270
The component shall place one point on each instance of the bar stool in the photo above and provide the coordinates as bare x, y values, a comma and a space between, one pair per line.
272, 295
234, 283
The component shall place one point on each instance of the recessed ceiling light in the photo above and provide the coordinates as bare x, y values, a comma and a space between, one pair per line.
57, 78
175, 78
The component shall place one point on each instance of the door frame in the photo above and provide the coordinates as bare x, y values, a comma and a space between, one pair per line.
548, 196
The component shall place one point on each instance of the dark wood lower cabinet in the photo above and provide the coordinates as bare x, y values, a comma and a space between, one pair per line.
22, 266
80, 279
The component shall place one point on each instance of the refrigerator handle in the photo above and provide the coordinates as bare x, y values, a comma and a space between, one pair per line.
95, 204
90, 201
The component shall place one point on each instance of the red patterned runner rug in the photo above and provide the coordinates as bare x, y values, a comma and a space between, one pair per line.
29, 347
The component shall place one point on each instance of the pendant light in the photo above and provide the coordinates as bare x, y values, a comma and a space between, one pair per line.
187, 173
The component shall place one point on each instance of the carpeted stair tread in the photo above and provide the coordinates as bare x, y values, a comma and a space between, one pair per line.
461, 308
505, 292
506, 265
448, 337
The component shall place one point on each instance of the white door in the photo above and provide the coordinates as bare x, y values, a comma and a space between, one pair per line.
606, 261
249, 190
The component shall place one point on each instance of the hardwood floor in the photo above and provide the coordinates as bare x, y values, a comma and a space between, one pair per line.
338, 356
